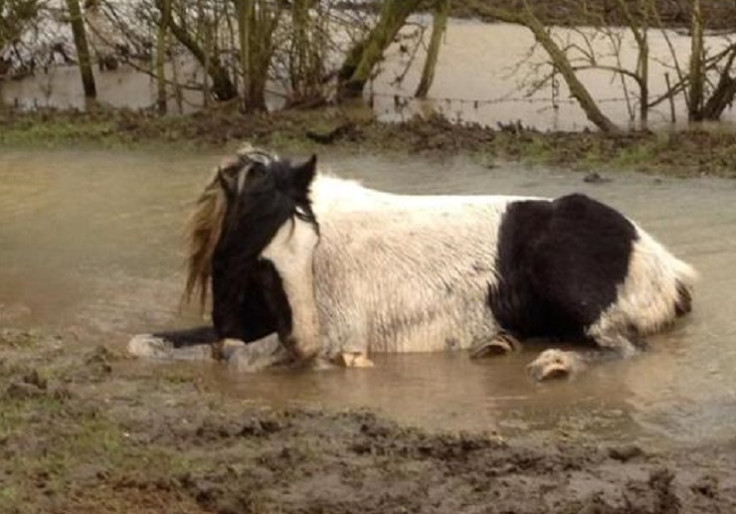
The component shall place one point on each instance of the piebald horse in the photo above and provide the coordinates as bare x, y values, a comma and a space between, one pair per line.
340, 271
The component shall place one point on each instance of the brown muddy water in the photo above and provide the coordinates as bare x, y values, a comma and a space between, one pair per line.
90, 246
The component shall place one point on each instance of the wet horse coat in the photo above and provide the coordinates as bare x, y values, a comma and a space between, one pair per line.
334, 267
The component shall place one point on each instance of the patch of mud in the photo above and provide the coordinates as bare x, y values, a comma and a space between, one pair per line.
86, 428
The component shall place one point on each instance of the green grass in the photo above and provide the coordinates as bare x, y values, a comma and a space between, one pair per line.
55, 132
681, 154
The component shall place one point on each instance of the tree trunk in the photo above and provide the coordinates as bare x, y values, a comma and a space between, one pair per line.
161, 46
80, 41
559, 61
640, 31
723, 94
439, 25
245, 12
306, 51
365, 55
222, 86
697, 73
256, 26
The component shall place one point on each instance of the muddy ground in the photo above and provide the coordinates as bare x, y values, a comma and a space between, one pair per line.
84, 429
696, 152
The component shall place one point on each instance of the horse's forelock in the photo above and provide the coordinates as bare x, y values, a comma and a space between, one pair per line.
248, 154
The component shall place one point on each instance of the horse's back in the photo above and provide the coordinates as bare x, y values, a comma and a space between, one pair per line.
408, 273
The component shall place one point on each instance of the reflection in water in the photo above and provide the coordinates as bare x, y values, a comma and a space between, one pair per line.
90, 244
484, 72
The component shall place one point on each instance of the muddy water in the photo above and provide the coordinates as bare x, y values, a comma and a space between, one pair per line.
90, 246
486, 74
483, 75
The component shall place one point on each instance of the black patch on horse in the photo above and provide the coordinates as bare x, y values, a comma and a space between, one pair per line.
559, 264
240, 308
684, 303
247, 294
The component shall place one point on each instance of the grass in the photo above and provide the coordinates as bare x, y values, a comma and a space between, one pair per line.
691, 153
54, 133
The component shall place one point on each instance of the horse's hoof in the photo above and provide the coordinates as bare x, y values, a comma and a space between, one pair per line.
228, 347
500, 344
322, 364
150, 346
354, 360
554, 364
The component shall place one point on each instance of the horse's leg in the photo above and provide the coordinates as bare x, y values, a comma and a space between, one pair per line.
261, 354
555, 363
353, 360
501, 343
178, 344
292, 296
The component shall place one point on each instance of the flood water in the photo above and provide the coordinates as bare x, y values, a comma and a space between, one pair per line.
90, 246
484, 73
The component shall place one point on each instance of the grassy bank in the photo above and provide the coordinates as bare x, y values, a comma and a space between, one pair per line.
695, 152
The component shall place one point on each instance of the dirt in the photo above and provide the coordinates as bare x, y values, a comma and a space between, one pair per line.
696, 152
86, 429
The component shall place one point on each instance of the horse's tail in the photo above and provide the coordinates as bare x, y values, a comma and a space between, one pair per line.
659, 286
686, 277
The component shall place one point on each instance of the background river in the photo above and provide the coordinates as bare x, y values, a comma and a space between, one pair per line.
483, 75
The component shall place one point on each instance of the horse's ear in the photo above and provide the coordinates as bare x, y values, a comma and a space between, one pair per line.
303, 174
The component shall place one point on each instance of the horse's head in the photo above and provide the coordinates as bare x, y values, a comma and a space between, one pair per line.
253, 233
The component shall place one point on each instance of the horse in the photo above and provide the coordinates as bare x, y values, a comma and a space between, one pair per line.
339, 271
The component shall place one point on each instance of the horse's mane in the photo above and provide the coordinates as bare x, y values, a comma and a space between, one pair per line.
205, 225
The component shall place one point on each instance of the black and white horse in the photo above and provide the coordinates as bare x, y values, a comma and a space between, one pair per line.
340, 271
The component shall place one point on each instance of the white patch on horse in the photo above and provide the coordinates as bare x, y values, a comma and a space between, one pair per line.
646, 301
403, 273
291, 251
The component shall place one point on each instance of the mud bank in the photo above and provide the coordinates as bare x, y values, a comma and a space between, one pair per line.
89, 430
696, 152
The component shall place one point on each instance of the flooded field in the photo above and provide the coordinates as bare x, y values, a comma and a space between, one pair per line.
90, 246
484, 75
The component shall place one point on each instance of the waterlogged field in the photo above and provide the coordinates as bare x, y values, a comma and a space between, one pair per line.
90, 246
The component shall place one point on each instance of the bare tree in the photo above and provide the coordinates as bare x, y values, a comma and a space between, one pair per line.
80, 42
439, 25
257, 23
363, 57
161, 49
697, 75
222, 85
559, 60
